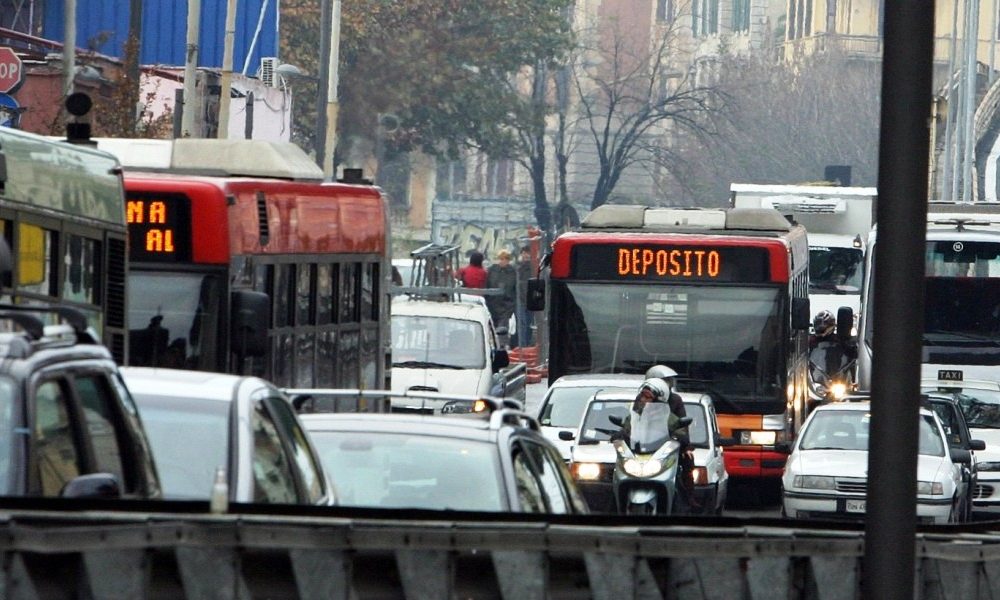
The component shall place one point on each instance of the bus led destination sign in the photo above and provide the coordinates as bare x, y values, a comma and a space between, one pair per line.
159, 227
671, 263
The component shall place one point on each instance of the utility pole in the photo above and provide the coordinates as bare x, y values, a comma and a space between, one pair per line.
191, 69
133, 60
69, 47
227, 71
326, 100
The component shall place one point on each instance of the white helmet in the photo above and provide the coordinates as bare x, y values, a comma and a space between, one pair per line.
659, 389
664, 373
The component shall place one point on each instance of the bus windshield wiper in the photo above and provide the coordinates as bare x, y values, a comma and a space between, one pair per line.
420, 364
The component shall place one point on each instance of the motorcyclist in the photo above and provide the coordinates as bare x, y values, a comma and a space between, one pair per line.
829, 352
686, 461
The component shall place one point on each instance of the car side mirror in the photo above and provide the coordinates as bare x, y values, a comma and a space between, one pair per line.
92, 485
783, 447
977, 445
567, 436
961, 456
536, 294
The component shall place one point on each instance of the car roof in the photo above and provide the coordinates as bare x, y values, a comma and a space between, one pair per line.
972, 384
183, 383
473, 309
457, 426
598, 379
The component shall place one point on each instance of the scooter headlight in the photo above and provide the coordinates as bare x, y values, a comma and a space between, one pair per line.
642, 468
838, 390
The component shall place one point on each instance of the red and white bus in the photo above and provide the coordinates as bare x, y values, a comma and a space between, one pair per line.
720, 296
242, 260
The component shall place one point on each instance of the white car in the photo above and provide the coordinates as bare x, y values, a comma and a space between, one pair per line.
593, 458
980, 403
562, 406
826, 475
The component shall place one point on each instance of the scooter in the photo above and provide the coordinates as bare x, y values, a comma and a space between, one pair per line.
646, 471
831, 373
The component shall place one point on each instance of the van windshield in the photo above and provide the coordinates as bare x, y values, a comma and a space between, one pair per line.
437, 342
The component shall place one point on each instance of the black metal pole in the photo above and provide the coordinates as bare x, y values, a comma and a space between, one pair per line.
898, 314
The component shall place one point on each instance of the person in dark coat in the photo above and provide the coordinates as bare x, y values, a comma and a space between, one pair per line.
503, 276
525, 319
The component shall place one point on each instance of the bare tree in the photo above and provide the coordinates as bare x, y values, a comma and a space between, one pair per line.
630, 94
786, 121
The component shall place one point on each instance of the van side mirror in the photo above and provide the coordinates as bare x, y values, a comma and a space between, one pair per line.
845, 323
977, 445
536, 294
251, 314
961, 456
800, 314
6, 264
500, 359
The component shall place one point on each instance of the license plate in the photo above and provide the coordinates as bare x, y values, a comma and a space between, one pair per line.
854, 506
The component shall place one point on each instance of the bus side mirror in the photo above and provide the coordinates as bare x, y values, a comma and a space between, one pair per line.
845, 323
536, 294
800, 314
6, 265
251, 313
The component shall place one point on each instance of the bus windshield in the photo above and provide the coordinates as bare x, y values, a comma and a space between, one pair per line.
726, 340
177, 315
835, 270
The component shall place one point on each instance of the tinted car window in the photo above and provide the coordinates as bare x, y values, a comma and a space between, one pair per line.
548, 476
7, 391
190, 440
272, 472
312, 475
529, 492
403, 470
97, 402
58, 458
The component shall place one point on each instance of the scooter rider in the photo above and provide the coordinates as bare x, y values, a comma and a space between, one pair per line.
686, 460
836, 351
651, 390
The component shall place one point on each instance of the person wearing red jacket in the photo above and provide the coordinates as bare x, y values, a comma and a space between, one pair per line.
473, 275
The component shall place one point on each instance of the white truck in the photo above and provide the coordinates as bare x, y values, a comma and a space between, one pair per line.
449, 346
837, 220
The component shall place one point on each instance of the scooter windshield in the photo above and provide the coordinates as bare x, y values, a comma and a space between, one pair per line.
650, 426
827, 361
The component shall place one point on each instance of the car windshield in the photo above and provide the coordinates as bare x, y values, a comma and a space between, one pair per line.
189, 439
835, 270
422, 342
404, 470
597, 425
980, 407
564, 405
848, 430
7, 403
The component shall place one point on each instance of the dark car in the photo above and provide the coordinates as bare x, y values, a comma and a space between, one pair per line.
495, 463
960, 440
68, 425
201, 422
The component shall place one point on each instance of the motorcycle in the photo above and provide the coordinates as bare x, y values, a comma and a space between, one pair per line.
831, 372
645, 480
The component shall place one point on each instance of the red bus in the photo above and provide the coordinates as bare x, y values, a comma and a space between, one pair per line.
720, 296
281, 277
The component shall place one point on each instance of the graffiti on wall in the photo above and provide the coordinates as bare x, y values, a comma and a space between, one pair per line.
485, 238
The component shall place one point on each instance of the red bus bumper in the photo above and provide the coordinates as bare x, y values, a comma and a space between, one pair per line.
754, 462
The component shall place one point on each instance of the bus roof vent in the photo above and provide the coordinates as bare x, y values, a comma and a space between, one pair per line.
700, 218
756, 219
615, 215
247, 158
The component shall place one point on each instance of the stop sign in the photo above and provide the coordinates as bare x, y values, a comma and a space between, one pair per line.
10, 69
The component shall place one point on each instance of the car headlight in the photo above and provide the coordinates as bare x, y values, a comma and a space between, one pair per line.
587, 471
930, 488
642, 468
988, 466
815, 482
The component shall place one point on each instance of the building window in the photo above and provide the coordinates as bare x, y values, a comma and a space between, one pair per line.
741, 15
695, 18
831, 16
792, 20
712, 18
807, 24
664, 10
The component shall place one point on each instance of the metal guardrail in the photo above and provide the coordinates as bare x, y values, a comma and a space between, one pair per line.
107, 555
